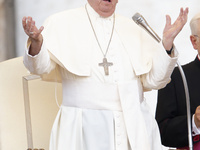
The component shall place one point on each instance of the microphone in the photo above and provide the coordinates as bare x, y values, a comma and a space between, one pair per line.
139, 19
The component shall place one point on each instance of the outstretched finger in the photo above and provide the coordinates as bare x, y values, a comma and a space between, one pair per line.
32, 26
180, 16
41, 29
185, 13
186, 10
168, 21
28, 24
184, 16
24, 22
181, 11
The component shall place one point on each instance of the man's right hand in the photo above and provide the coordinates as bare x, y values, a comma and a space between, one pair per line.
197, 117
34, 35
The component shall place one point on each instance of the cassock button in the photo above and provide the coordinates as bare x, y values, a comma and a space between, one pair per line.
118, 134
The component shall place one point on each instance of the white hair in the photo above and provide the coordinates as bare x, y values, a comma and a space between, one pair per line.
194, 24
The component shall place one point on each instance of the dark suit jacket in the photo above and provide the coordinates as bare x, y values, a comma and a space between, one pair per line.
171, 113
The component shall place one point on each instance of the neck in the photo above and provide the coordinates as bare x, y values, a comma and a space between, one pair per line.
105, 15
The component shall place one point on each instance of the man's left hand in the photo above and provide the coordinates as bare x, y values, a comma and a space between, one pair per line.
172, 30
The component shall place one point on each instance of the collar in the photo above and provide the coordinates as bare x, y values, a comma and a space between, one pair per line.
197, 60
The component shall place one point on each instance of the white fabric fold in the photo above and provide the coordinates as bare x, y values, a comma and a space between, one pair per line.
139, 122
64, 131
134, 121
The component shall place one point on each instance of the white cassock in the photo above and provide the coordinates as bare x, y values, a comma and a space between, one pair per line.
101, 112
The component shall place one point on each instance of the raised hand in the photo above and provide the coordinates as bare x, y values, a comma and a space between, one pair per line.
172, 30
34, 34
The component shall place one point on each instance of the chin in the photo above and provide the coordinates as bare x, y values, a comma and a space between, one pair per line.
105, 13
105, 8
106, 5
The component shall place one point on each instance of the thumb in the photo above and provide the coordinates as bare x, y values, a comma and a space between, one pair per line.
168, 20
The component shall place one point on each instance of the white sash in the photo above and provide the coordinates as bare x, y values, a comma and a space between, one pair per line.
126, 97
91, 95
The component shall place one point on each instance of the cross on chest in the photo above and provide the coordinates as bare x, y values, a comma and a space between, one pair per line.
106, 64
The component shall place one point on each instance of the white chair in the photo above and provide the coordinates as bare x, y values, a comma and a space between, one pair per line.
43, 108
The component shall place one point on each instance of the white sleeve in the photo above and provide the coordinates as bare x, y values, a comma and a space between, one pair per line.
40, 63
162, 68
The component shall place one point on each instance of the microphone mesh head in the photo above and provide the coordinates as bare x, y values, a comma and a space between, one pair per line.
137, 18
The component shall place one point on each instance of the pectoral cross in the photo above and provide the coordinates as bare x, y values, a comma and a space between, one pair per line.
105, 64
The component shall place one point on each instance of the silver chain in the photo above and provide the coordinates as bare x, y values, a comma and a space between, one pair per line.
96, 35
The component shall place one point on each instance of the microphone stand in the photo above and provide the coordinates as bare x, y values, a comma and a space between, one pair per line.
188, 106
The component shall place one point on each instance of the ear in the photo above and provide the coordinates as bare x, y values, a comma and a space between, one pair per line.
193, 40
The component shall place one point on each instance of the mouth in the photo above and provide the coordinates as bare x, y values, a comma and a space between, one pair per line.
107, 0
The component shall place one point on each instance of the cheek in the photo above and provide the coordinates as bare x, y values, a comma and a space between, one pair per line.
195, 46
115, 1
198, 45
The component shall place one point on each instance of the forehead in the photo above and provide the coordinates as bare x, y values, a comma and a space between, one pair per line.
198, 24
